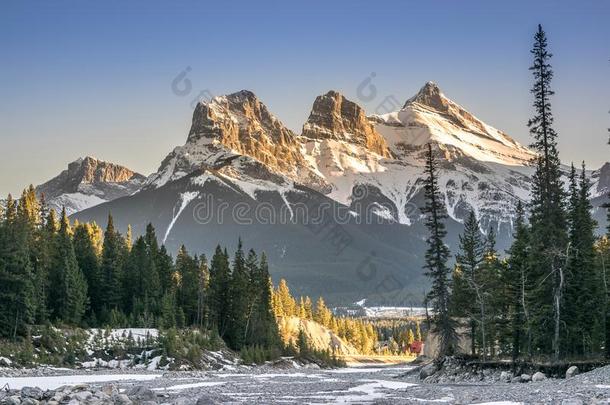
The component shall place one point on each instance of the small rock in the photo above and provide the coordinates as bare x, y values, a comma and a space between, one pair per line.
12, 400
110, 389
207, 401
31, 392
526, 377
141, 393
427, 371
102, 396
82, 396
121, 399
538, 376
506, 376
30, 401
571, 372
516, 379
58, 396
572, 401
65, 389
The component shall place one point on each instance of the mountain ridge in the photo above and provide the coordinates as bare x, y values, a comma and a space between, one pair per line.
88, 181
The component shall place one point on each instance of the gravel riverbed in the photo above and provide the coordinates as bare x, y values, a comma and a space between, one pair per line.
267, 385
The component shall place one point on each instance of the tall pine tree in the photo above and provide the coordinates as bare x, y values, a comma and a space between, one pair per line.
88, 261
241, 295
584, 313
549, 239
468, 289
518, 287
437, 255
218, 295
110, 270
69, 284
17, 299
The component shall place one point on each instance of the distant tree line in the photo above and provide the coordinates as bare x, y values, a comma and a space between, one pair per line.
357, 332
549, 296
80, 275
76, 274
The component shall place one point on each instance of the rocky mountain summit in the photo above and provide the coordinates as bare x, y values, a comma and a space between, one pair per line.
237, 125
87, 182
335, 117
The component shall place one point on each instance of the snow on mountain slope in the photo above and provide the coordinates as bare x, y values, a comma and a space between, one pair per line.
343, 154
88, 182
429, 116
481, 168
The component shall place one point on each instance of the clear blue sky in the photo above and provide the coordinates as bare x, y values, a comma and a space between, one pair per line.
94, 78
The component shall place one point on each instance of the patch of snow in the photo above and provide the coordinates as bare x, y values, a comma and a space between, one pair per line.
185, 199
154, 363
74, 202
53, 382
394, 312
500, 403
188, 386
371, 391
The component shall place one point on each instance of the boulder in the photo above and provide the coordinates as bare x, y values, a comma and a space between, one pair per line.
32, 392
538, 376
30, 401
12, 400
526, 377
427, 371
516, 379
571, 372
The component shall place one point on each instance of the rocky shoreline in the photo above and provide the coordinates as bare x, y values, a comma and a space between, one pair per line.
106, 394
455, 370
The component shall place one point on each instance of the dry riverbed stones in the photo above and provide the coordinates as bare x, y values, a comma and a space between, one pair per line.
105, 395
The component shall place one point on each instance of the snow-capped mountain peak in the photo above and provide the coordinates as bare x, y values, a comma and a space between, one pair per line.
429, 95
87, 182
430, 116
